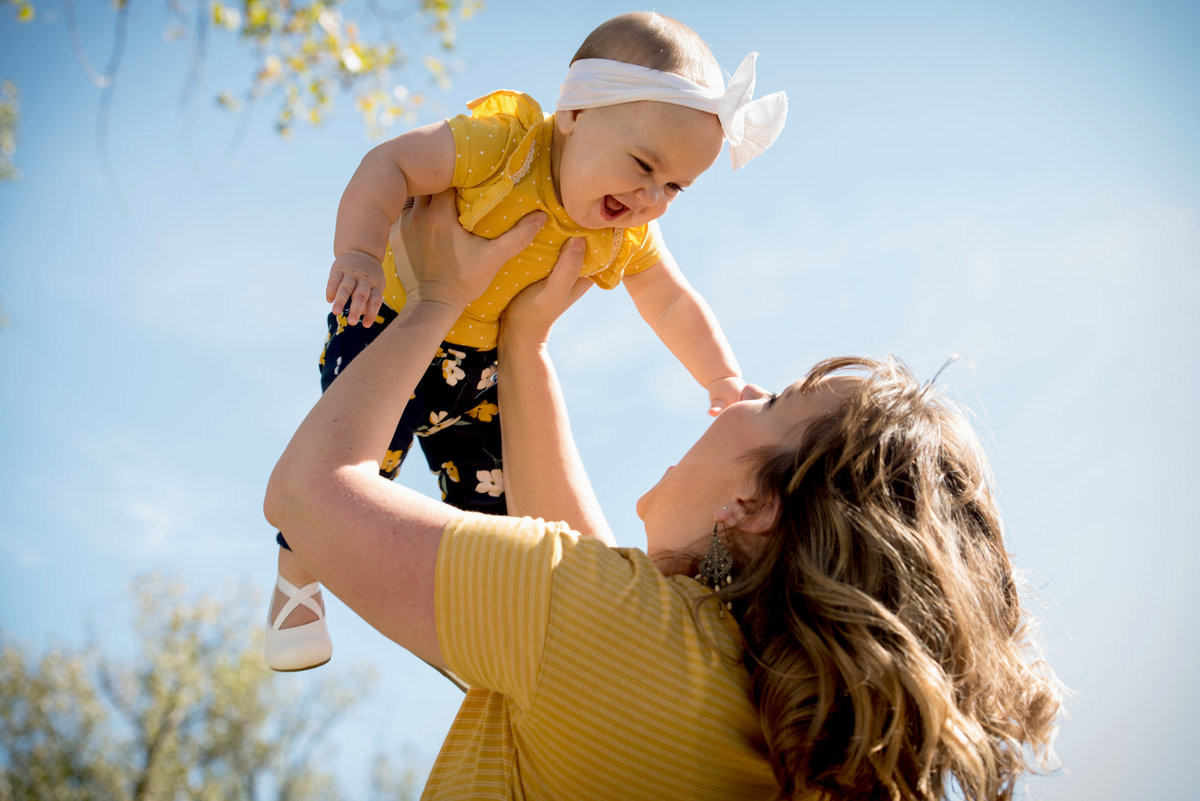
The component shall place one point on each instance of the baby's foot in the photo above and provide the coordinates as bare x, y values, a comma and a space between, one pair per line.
300, 615
297, 637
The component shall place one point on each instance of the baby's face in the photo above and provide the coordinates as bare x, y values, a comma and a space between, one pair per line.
621, 166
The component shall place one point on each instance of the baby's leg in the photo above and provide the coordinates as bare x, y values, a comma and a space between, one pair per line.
463, 447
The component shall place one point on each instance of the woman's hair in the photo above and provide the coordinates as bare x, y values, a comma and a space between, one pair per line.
653, 40
888, 652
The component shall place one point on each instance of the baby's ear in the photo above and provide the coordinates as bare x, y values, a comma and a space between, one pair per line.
565, 121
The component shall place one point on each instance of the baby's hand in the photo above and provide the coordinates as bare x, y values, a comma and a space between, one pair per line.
753, 392
723, 392
356, 277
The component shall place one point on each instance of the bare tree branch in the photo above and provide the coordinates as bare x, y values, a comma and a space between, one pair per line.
99, 80
106, 95
308, 53
197, 52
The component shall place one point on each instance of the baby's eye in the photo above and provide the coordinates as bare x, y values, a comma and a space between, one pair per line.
771, 399
675, 189
643, 166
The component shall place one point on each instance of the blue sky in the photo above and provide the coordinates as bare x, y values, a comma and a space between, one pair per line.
1012, 182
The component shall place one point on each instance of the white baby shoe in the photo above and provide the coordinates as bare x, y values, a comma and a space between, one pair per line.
299, 647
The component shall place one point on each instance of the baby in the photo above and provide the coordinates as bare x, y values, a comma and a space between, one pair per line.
643, 112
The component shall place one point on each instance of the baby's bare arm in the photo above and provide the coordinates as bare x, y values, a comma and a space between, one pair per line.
687, 326
420, 162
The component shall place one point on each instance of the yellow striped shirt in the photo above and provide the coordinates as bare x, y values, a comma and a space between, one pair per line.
592, 677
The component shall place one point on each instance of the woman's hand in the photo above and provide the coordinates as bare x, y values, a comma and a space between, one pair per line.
450, 264
529, 316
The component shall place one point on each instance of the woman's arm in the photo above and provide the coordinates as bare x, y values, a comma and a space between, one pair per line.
372, 542
543, 474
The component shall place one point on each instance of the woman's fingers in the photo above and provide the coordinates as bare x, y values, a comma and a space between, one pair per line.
566, 270
581, 285
418, 203
537, 307
564, 285
520, 236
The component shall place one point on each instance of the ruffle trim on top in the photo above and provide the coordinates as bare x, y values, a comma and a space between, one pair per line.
607, 247
523, 115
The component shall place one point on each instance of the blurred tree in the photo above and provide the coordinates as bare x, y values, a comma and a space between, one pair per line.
10, 112
193, 715
304, 52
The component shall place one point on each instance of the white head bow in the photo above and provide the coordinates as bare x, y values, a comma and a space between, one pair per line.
750, 125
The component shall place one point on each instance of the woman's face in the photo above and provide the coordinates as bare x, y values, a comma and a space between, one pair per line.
715, 479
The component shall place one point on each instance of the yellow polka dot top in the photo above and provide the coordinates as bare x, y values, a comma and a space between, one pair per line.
502, 172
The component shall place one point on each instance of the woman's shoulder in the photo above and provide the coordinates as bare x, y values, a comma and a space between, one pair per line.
623, 592
620, 585
590, 585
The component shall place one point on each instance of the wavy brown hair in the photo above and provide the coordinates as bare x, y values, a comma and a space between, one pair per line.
888, 652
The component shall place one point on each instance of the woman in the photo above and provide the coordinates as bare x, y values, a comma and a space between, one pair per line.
864, 639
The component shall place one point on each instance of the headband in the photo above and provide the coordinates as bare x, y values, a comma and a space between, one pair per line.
750, 125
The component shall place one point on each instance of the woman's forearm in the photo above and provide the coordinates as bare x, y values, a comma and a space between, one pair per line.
347, 432
543, 474
353, 530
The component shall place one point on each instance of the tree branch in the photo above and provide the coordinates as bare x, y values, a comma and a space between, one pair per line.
100, 81
106, 95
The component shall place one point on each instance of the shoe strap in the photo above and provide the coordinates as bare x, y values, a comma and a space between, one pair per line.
296, 597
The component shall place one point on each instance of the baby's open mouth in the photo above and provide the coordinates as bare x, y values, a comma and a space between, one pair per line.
613, 208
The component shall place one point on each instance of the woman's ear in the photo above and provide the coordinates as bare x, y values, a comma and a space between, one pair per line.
751, 515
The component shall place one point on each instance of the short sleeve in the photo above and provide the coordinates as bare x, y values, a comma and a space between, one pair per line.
481, 147
492, 599
641, 249
485, 139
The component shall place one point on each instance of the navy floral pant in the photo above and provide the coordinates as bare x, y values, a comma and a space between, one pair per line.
454, 412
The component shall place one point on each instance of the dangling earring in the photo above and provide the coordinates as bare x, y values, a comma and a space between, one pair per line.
716, 566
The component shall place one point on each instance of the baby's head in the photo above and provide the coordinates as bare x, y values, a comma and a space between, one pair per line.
621, 163
649, 39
